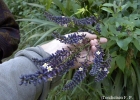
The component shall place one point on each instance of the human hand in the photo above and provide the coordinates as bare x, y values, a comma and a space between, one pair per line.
55, 45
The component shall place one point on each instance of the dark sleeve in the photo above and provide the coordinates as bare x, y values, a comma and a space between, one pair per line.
9, 32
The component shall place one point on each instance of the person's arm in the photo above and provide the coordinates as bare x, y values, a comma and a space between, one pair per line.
9, 32
21, 64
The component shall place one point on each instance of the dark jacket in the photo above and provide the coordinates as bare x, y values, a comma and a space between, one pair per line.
9, 32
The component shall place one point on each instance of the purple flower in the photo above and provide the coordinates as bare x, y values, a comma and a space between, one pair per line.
98, 29
100, 66
70, 39
65, 21
119, 28
62, 20
78, 77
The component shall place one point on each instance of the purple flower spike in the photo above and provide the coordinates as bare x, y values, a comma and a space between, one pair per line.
70, 39
98, 29
65, 21
100, 66
78, 77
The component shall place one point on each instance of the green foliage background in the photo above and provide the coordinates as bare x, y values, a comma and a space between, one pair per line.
124, 46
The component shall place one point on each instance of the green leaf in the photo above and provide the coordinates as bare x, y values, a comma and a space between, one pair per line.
64, 97
133, 77
104, 31
34, 36
107, 86
125, 80
81, 11
137, 31
130, 89
90, 1
107, 9
36, 5
136, 44
123, 6
109, 5
138, 89
137, 71
117, 84
75, 6
68, 98
54, 12
112, 29
117, 24
44, 24
46, 34
59, 4
113, 66
110, 43
48, 4
120, 20
123, 43
137, 23
120, 60
38, 21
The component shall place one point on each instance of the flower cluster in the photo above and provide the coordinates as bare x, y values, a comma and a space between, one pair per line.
61, 61
84, 21
78, 77
35, 78
57, 64
100, 65
66, 21
98, 29
70, 39
62, 20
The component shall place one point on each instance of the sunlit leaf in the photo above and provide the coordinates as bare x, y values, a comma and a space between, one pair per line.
81, 11
48, 4
109, 10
